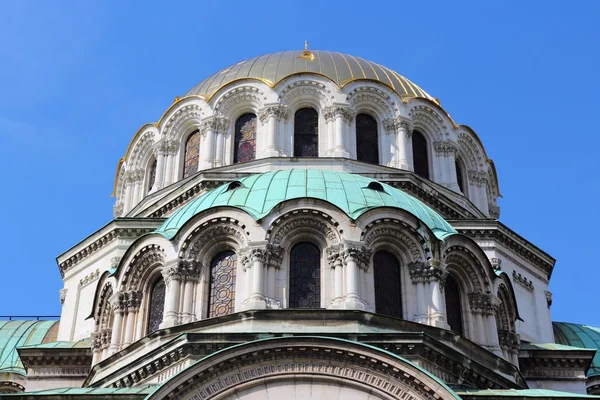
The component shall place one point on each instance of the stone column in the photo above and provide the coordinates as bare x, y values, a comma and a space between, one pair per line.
335, 262
404, 144
159, 153
172, 276
437, 307
418, 272
96, 344
480, 304
354, 257
255, 260
127, 195
170, 169
269, 116
391, 147
330, 121
207, 130
445, 151
138, 178
132, 300
118, 306
274, 260
190, 271
342, 115
105, 337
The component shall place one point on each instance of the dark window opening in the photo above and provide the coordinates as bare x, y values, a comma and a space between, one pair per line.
367, 143
375, 186
459, 177
306, 133
453, 305
156, 305
305, 276
152, 176
388, 284
192, 155
420, 155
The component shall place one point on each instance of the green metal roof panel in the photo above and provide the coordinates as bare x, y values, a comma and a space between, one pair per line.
141, 390
578, 335
260, 193
15, 334
82, 344
523, 393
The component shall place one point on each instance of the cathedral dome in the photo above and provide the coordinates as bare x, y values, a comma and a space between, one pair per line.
353, 194
339, 68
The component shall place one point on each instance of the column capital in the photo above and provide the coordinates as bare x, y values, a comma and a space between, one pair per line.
171, 271
213, 123
509, 340
279, 111
432, 270
445, 147
334, 256
357, 253
274, 255
397, 124
479, 178
190, 270
105, 335
118, 301
484, 303
132, 300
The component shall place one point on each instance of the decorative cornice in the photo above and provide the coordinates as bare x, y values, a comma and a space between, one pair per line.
120, 233
528, 284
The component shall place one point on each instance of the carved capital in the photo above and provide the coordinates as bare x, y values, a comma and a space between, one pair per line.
429, 271
118, 302
485, 303
215, 124
334, 256
445, 147
509, 341
274, 255
104, 337
266, 112
479, 178
359, 254
172, 272
132, 300
96, 341
330, 113
397, 125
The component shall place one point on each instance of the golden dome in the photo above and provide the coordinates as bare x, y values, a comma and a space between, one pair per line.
339, 68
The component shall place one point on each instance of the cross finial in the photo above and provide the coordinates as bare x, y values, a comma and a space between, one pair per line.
305, 45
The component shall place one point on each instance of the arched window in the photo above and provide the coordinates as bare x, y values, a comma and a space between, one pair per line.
245, 138
388, 284
453, 305
221, 295
367, 144
420, 157
192, 154
306, 133
156, 305
151, 176
305, 276
459, 176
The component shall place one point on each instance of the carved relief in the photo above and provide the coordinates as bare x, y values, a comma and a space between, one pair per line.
240, 95
397, 234
283, 229
147, 257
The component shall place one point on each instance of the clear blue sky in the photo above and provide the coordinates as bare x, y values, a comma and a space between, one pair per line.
79, 78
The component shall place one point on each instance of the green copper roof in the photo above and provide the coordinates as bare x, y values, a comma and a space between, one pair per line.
521, 393
15, 334
81, 344
577, 335
86, 393
260, 193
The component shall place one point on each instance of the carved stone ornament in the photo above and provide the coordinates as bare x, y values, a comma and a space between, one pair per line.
63, 295
359, 254
548, 298
198, 242
334, 256
280, 112
281, 231
509, 341
496, 263
379, 232
445, 147
528, 284
396, 125
429, 271
274, 255
215, 124
483, 303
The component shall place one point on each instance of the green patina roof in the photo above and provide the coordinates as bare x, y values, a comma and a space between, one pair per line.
140, 391
15, 334
522, 393
260, 193
82, 344
577, 335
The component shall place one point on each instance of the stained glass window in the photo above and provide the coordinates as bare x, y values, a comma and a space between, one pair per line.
305, 276
156, 305
245, 138
367, 144
388, 284
192, 154
306, 133
459, 176
453, 305
152, 175
221, 296
420, 158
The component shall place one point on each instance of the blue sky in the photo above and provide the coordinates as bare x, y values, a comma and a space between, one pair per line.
79, 78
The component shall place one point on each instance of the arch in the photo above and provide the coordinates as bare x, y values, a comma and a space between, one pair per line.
245, 138
141, 265
302, 223
103, 311
191, 154
388, 284
306, 132
305, 276
454, 310
156, 304
298, 92
380, 373
420, 154
367, 139
221, 289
